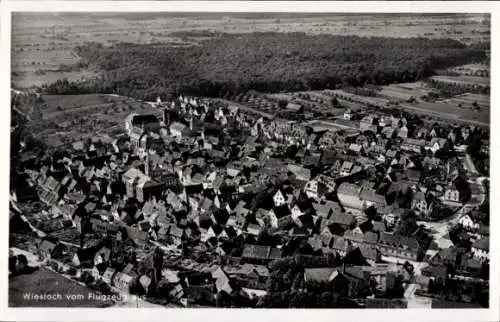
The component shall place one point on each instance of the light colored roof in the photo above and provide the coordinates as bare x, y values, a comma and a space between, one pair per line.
133, 173
325, 274
348, 189
177, 126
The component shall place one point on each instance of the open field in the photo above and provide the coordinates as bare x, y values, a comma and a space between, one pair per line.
405, 91
43, 281
71, 118
468, 100
42, 42
464, 79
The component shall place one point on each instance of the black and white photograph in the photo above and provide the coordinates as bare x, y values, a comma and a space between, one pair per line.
201, 159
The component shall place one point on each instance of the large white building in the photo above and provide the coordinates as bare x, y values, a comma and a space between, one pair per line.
348, 195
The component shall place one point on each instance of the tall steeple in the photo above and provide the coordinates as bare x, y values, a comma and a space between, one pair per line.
147, 165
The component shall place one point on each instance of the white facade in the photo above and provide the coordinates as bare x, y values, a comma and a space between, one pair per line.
311, 189
350, 201
480, 254
468, 223
279, 199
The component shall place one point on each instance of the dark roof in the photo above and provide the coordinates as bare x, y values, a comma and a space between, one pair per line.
221, 216
144, 119
86, 255
368, 251
436, 271
355, 257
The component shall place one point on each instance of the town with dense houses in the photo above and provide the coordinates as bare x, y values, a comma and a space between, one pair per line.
225, 203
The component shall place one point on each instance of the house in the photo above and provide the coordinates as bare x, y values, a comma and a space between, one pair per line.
431, 162
348, 195
399, 246
388, 132
346, 168
46, 248
140, 186
355, 236
279, 198
84, 257
102, 255
323, 210
253, 229
435, 272
371, 198
320, 275
311, 189
446, 257
222, 281
467, 223
122, 281
259, 254
341, 245
419, 203
348, 114
436, 144
179, 130
294, 107
249, 275
108, 275
300, 173
403, 132
346, 221
452, 197
369, 252
412, 145
481, 249
356, 148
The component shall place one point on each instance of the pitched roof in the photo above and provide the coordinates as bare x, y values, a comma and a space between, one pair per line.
47, 246
343, 219
370, 237
175, 231
482, 243
321, 275
368, 251
371, 195
247, 269
348, 189
275, 253
398, 241
341, 244
132, 173
256, 251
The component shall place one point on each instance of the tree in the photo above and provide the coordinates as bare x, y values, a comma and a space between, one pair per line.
408, 224
223, 299
136, 68
326, 300
12, 264
335, 102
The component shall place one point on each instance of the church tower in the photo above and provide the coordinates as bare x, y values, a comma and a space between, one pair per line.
147, 165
